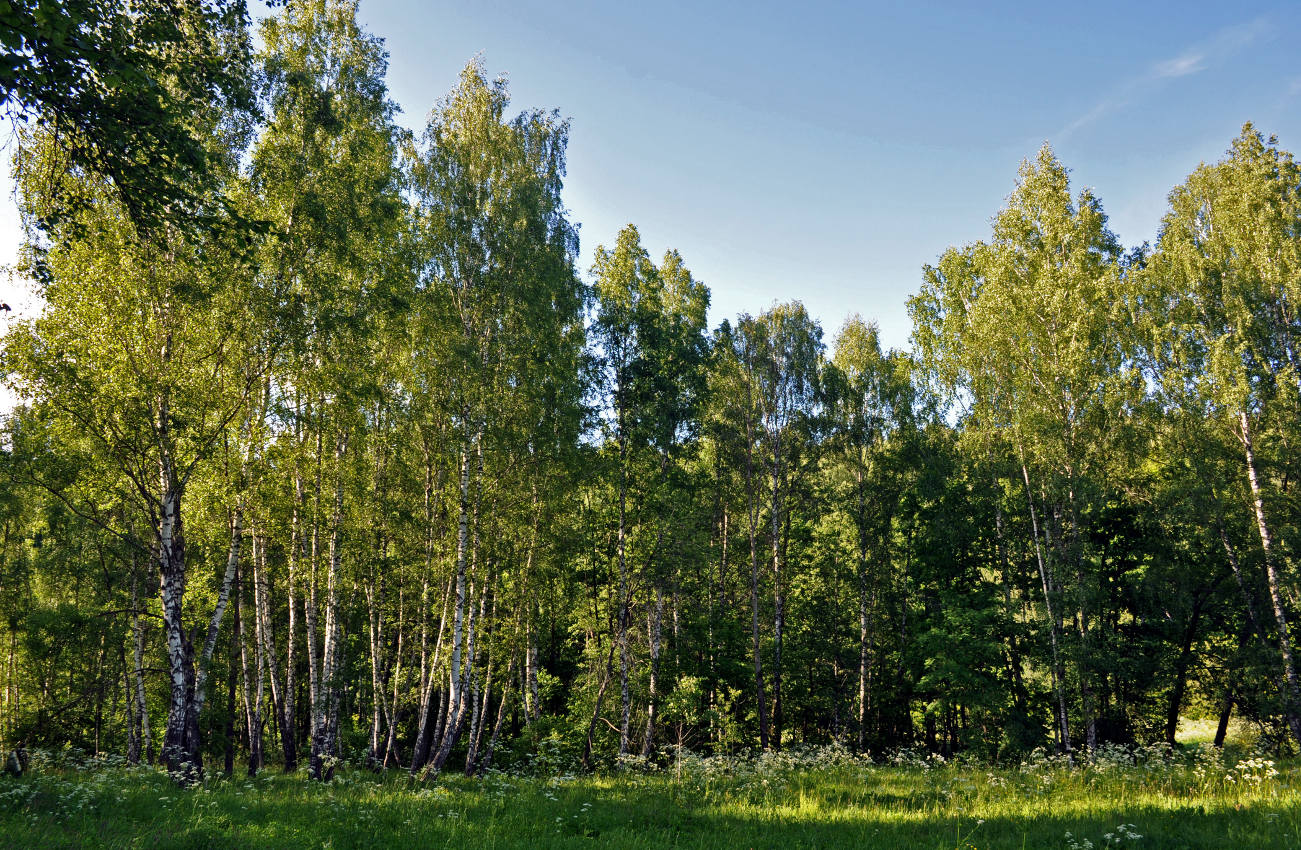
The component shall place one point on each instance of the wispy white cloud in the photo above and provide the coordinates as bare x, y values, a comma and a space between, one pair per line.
1181, 66
1195, 59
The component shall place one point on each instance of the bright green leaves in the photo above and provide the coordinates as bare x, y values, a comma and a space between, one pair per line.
129, 89
650, 325
1026, 330
496, 249
324, 173
780, 352
1219, 295
870, 391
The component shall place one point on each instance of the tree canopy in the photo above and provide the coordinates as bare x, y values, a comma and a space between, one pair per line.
327, 450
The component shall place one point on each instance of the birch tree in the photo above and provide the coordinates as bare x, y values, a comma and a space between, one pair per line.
1218, 299
496, 255
1028, 333
140, 350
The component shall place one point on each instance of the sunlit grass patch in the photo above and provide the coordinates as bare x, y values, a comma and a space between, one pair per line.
1153, 797
1241, 736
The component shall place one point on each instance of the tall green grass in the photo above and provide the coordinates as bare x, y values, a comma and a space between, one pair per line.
823, 798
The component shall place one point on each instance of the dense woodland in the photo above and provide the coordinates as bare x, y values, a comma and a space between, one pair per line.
327, 448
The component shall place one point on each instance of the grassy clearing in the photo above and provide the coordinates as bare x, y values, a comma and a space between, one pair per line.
824, 799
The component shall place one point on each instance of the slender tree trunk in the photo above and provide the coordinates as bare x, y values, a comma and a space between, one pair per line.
460, 632
420, 750
289, 709
476, 722
326, 711
1226, 712
251, 680
531, 708
390, 744
267, 647
181, 749
778, 596
753, 508
427, 732
145, 739
219, 612
239, 666
481, 693
310, 610
586, 759
486, 761
625, 602
454, 722
99, 693
864, 617
655, 618
133, 743
1054, 624
529, 687
231, 667
1181, 672
376, 596
711, 646
1088, 700
1230, 693
375, 632
1014, 660
1292, 689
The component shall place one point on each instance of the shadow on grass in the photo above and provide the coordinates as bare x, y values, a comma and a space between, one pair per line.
289, 814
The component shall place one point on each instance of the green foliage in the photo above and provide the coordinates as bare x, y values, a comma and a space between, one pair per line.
121, 88
417, 495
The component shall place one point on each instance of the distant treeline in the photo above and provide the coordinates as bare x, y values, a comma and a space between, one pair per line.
327, 449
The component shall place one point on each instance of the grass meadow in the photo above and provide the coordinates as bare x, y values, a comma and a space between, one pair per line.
826, 798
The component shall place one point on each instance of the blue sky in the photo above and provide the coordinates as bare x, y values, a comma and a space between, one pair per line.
825, 151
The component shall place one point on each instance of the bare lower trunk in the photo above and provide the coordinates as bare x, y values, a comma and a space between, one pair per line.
390, 743
1088, 705
456, 679
864, 653
428, 674
529, 686
375, 632
289, 708
231, 665
476, 723
458, 710
531, 710
761, 700
329, 691
656, 616
251, 675
218, 614
625, 602
1181, 672
1054, 624
486, 761
310, 610
428, 731
1291, 687
1230, 693
779, 599
1088, 701
145, 738
265, 642
181, 754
